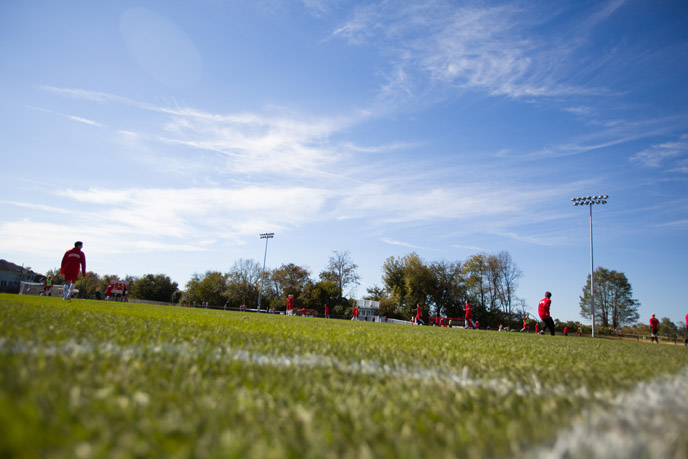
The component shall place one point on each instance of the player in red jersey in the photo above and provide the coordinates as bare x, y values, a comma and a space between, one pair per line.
72, 260
654, 329
468, 321
290, 305
543, 310
419, 320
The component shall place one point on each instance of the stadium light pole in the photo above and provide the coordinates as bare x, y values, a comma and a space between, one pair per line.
265, 236
591, 201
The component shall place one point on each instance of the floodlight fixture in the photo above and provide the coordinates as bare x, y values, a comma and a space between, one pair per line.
590, 201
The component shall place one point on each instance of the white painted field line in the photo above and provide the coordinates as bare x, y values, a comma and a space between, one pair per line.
461, 379
650, 421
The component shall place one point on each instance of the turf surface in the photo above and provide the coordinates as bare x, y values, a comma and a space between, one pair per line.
94, 379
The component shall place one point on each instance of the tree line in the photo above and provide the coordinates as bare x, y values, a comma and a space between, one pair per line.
153, 287
239, 286
487, 281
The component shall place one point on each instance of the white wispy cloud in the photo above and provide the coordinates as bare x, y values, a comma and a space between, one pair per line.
472, 248
318, 179
278, 142
677, 224
658, 154
488, 48
79, 119
403, 244
620, 132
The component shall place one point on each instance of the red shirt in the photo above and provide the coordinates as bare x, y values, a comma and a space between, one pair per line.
290, 303
327, 311
418, 311
469, 314
72, 260
654, 323
543, 308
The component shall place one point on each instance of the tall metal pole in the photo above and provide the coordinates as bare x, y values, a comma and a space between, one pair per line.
590, 201
592, 277
265, 236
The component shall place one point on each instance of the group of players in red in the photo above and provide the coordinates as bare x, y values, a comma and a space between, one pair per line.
74, 261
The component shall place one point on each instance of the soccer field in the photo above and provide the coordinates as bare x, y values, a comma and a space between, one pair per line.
93, 379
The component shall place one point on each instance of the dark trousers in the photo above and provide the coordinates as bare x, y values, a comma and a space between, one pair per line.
549, 323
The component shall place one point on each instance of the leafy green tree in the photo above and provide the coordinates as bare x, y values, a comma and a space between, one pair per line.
342, 271
388, 308
210, 287
448, 288
87, 284
419, 282
681, 328
153, 287
508, 274
475, 273
376, 293
614, 303
667, 327
410, 282
325, 292
243, 283
393, 277
290, 279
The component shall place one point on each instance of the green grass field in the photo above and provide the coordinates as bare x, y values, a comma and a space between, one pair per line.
94, 379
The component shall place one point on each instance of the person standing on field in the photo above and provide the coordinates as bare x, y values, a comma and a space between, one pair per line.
468, 321
654, 329
71, 261
327, 312
543, 310
290, 305
48, 286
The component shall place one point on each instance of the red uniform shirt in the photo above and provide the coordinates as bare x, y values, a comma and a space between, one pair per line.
469, 314
290, 303
654, 323
418, 311
543, 308
72, 260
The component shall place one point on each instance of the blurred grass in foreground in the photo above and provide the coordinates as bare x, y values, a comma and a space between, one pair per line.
93, 379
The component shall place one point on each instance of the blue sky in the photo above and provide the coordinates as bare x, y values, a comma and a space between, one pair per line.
167, 135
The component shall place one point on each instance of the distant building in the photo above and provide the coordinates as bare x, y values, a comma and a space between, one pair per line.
11, 275
368, 309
